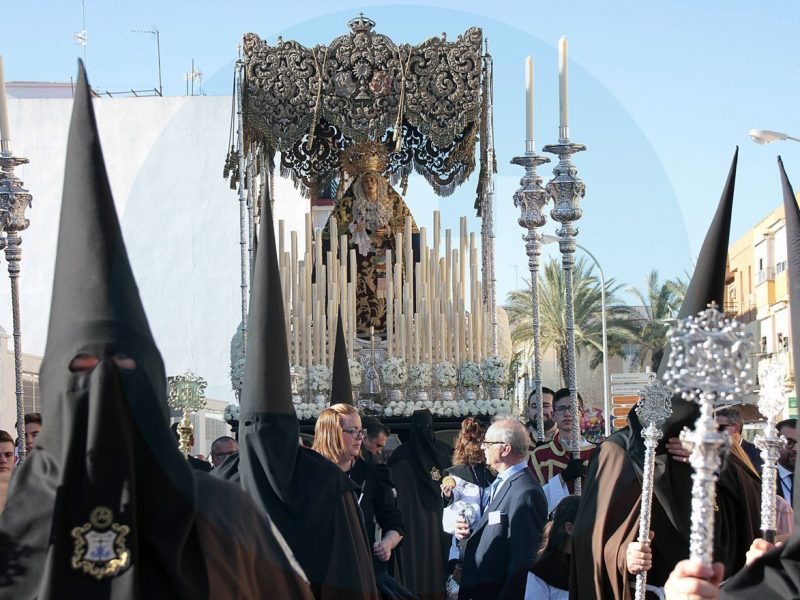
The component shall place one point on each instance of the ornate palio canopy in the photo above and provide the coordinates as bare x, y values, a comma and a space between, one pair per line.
428, 103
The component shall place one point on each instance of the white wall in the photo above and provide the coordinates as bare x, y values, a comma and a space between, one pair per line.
180, 220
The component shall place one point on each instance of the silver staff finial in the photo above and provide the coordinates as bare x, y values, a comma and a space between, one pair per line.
654, 407
771, 402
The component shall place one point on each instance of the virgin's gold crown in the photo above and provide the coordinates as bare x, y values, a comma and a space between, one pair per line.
363, 157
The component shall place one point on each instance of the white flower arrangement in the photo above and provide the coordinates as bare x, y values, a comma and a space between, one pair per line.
299, 378
495, 370
231, 413
470, 375
319, 379
443, 408
421, 375
394, 372
446, 374
356, 372
309, 410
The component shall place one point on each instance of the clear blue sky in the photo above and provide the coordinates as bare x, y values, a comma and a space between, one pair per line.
661, 93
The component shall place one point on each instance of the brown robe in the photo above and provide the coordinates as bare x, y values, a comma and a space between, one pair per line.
245, 555
608, 520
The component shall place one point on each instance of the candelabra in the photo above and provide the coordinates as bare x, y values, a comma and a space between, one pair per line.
566, 190
14, 200
530, 199
708, 363
771, 402
654, 407
186, 393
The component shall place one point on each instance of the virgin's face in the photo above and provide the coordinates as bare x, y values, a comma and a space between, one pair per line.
352, 442
369, 184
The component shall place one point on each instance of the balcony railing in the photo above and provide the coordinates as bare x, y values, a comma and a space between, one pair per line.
763, 275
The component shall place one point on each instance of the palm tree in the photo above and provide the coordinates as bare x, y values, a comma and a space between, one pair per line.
660, 301
620, 328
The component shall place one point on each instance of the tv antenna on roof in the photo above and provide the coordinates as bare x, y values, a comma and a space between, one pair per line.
154, 31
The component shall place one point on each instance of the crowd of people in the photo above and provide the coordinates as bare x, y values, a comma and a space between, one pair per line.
495, 516
105, 505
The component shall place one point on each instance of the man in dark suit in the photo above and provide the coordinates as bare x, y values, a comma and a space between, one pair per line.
787, 458
498, 552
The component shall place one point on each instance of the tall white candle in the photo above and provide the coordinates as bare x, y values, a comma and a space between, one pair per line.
4, 129
562, 82
529, 98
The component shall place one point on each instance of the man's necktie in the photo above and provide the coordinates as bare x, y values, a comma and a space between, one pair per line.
493, 488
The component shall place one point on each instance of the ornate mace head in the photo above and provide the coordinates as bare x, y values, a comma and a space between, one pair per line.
772, 395
709, 357
655, 404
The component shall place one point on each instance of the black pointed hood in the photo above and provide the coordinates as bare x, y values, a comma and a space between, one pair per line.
777, 574
792, 215
708, 279
341, 388
672, 480
310, 499
267, 456
105, 445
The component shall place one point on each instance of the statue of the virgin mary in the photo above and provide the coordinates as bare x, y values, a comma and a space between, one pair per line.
370, 212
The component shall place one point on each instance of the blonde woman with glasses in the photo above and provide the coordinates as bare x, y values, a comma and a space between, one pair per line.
338, 436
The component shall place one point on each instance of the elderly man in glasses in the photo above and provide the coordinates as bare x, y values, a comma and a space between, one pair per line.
499, 550
553, 463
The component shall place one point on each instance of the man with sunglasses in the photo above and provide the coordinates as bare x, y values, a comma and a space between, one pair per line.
553, 464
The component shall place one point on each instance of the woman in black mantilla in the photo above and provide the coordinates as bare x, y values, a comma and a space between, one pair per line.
370, 212
418, 467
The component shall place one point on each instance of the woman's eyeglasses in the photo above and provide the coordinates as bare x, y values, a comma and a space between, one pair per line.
356, 432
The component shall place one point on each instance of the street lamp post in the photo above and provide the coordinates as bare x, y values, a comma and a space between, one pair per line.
550, 239
766, 136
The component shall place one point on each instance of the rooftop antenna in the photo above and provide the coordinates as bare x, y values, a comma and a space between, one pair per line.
154, 31
193, 76
80, 37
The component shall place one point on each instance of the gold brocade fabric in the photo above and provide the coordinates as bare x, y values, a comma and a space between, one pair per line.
371, 269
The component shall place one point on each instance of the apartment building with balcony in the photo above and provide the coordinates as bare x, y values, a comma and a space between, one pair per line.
757, 292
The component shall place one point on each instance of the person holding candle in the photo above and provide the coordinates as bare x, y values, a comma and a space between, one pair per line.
372, 214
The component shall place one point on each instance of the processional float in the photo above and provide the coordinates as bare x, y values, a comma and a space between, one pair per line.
398, 108
14, 201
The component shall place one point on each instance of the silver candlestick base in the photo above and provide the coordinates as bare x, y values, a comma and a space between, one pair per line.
531, 198
566, 190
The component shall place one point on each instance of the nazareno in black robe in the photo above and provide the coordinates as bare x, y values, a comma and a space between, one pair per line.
311, 501
608, 516
417, 469
777, 573
106, 472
